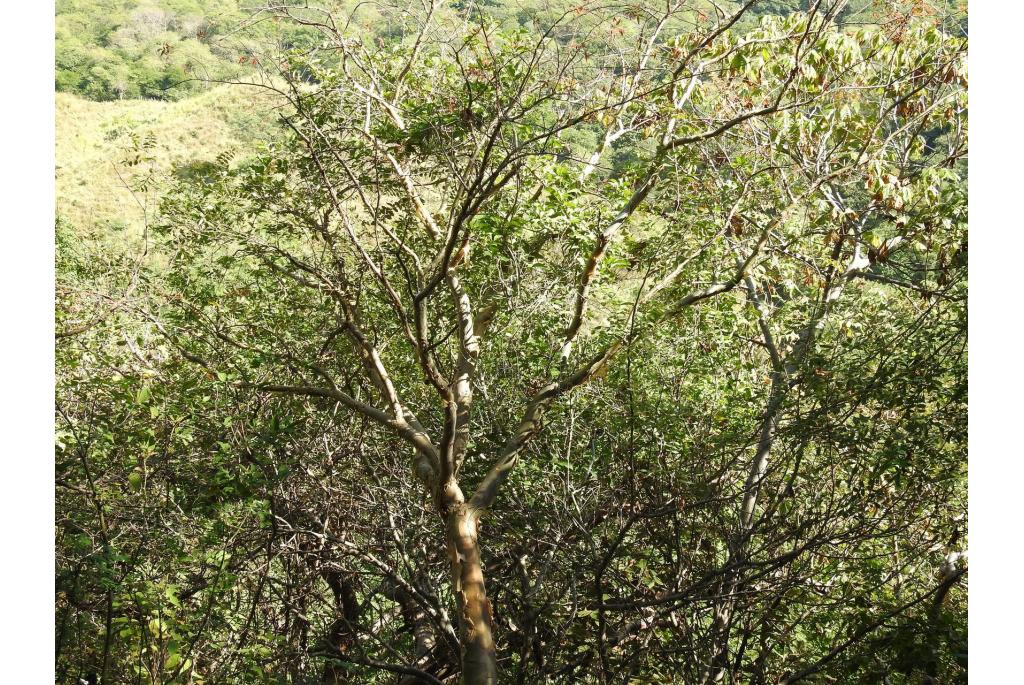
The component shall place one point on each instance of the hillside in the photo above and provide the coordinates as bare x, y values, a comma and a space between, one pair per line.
96, 141
118, 49
132, 74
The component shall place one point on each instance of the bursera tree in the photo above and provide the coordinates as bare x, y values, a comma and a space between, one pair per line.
463, 231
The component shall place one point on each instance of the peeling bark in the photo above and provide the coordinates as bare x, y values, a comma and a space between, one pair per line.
479, 660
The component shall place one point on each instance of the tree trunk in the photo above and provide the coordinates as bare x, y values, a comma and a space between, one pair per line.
427, 656
950, 575
342, 635
479, 662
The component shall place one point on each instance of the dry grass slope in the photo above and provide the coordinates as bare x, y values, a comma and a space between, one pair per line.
94, 139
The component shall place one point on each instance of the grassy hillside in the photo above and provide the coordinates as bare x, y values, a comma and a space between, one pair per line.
97, 140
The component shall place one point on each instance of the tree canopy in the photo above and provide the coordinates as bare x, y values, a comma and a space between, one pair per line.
626, 346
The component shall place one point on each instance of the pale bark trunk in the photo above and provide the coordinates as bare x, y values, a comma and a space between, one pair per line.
479, 662
950, 574
418, 622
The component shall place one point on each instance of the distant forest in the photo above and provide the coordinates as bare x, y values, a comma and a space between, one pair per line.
170, 49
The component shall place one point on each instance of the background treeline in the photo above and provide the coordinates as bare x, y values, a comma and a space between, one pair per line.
116, 49
170, 49
130, 73
122, 49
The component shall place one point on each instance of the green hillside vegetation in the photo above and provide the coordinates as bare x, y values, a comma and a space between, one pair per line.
172, 49
141, 79
166, 50
118, 49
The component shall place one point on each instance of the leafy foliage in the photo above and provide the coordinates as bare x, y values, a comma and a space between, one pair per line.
651, 324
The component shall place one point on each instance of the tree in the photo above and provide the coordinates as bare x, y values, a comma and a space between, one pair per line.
451, 272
